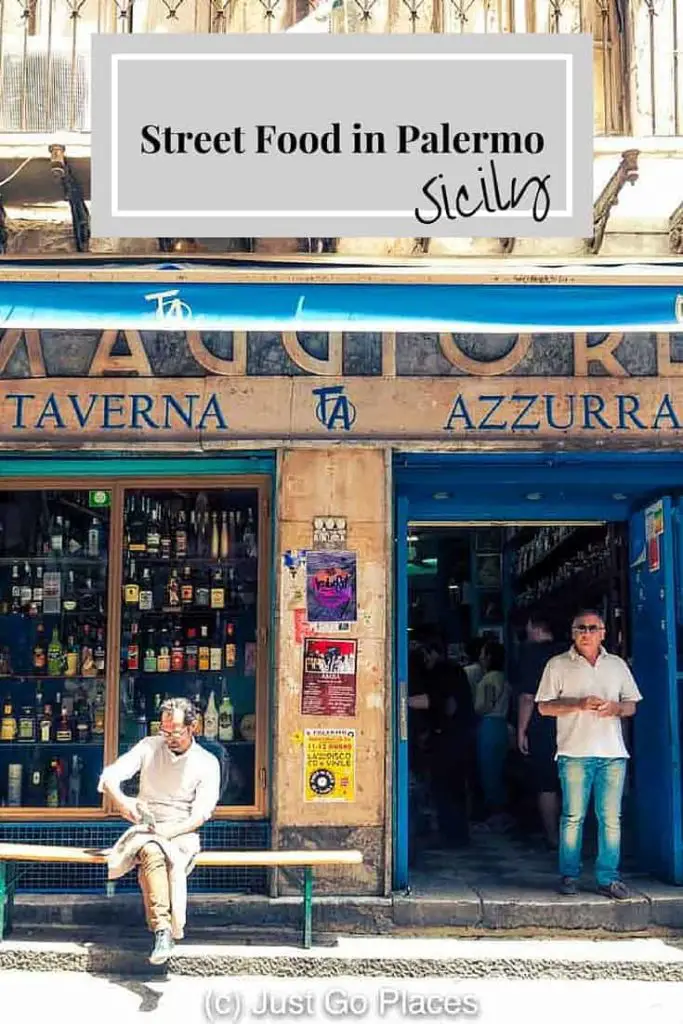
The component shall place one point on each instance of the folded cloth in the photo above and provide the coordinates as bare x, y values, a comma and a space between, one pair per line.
180, 854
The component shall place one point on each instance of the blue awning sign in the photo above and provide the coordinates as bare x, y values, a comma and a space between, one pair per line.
314, 306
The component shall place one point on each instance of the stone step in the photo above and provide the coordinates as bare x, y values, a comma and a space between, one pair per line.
502, 908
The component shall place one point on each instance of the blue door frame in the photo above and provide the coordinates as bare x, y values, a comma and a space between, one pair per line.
530, 487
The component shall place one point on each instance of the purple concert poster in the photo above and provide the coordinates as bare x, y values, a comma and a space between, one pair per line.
331, 586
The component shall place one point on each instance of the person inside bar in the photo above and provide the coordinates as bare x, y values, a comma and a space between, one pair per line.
179, 789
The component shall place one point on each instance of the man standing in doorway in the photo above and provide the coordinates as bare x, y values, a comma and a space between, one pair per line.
589, 691
536, 734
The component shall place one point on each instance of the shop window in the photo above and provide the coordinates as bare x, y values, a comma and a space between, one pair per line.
111, 601
54, 576
189, 622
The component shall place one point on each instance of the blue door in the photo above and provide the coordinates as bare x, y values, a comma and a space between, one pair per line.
657, 753
401, 843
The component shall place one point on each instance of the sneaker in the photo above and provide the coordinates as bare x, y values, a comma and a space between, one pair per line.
568, 887
615, 891
163, 947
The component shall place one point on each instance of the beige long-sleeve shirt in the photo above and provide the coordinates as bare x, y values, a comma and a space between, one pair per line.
175, 787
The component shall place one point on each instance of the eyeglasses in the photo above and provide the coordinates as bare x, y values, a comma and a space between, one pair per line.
175, 735
582, 627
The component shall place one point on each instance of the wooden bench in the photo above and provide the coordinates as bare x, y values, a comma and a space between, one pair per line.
14, 853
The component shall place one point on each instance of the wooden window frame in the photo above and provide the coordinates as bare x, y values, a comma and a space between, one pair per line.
118, 487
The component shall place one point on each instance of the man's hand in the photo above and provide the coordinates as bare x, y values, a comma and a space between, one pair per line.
523, 743
129, 809
592, 703
609, 709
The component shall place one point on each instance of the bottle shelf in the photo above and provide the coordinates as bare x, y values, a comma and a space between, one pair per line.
178, 562
55, 560
179, 613
22, 677
35, 745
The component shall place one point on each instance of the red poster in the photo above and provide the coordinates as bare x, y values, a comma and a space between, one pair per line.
329, 678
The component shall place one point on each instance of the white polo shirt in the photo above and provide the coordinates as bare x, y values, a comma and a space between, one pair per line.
570, 676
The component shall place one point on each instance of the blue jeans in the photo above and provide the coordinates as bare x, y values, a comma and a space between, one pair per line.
605, 776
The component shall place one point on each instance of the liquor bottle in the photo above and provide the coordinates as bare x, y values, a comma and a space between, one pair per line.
155, 719
100, 652
249, 536
199, 725
45, 725
87, 599
133, 652
146, 592
137, 526
37, 600
230, 646
57, 537
226, 720
231, 589
35, 795
164, 655
75, 775
225, 539
216, 655
187, 588
26, 729
40, 650
217, 596
83, 723
192, 549
73, 659
234, 529
166, 544
15, 583
70, 601
153, 536
95, 538
202, 594
26, 589
55, 655
215, 537
53, 773
191, 651
99, 706
211, 718
14, 784
172, 600
64, 732
88, 668
204, 654
72, 545
177, 653
181, 536
131, 589
150, 661
8, 722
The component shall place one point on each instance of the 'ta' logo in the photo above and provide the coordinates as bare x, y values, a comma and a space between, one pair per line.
334, 409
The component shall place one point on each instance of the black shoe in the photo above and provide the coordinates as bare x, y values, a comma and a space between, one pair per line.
568, 887
163, 947
615, 891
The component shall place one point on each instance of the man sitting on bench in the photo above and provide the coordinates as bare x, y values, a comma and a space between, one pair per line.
178, 792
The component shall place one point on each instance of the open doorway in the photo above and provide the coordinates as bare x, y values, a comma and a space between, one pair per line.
473, 591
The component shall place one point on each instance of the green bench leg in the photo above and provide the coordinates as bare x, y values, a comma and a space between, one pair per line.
308, 907
6, 898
